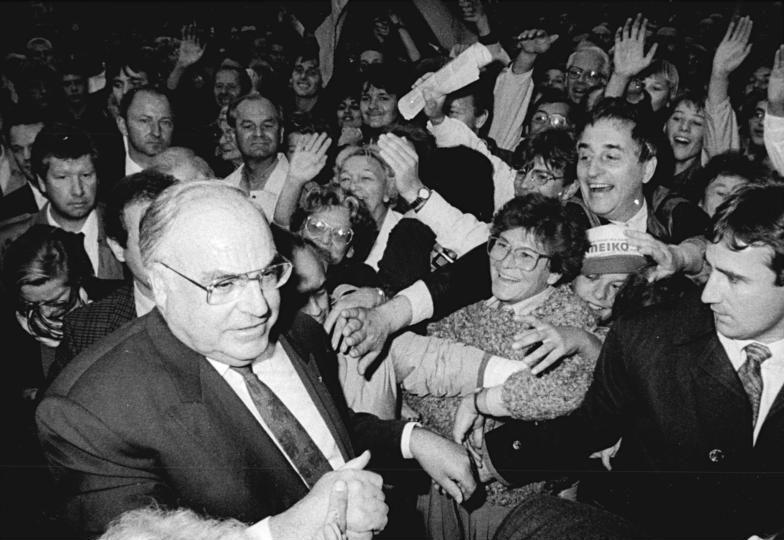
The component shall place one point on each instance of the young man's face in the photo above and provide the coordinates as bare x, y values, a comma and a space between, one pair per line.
306, 77
74, 88
741, 292
257, 128
684, 130
122, 83
463, 109
609, 170
718, 190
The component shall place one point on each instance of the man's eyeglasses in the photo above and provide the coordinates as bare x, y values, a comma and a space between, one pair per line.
594, 78
525, 259
552, 119
321, 230
538, 177
228, 289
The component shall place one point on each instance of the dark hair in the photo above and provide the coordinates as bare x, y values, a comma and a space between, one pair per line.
557, 149
482, 93
753, 215
691, 96
729, 164
242, 77
127, 99
747, 108
43, 253
464, 177
303, 122
388, 77
61, 141
562, 237
20, 116
639, 120
362, 222
137, 60
138, 188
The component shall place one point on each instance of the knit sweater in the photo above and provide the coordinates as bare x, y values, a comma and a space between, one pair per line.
556, 392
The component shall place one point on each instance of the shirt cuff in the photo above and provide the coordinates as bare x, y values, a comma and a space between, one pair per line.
259, 531
418, 296
405, 440
498, 369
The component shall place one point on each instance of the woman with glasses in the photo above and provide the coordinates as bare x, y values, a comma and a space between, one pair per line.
546, 164
535, 250
340, 225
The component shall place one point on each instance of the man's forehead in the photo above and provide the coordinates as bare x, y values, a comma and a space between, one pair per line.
24, 132
81, 162
128, 73
588, 60
619, 131
145, 101
227, 74
256, 108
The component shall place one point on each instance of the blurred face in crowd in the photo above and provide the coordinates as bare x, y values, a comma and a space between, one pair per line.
609, 170
74, 88
718, 190
306, 77
365, 178
70, 186
369, 57
21, 138
758, 81
227, 86
549, 115
149, 125
378, 107
756, 123
227, 143
599, 291
214, 239
684, 130
125, 80
463, 109
584, 74
44, 305
349, 113
554, 78
519, 267
538, 176
659, 89
40, 51
330, 229
257, 128
741, 292
311, 280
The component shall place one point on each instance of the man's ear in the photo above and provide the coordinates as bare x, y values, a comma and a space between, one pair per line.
481, 120
570, 191
159, 286
121, 126
554, 278
649, 167
117, 250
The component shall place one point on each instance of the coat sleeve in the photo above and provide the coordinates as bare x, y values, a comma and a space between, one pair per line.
97, 474
523, 451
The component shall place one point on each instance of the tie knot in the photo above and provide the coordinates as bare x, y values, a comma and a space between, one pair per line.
757, 352
245, 371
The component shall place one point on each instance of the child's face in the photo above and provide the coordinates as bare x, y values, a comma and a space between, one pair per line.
718, 190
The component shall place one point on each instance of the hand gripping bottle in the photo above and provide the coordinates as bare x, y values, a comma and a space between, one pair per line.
458, 73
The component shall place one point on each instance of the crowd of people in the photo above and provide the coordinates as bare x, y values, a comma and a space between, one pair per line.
247, 295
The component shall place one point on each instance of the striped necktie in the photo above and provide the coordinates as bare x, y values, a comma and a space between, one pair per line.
750, 375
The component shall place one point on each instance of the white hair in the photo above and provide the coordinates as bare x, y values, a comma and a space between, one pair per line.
156, 524
605, 66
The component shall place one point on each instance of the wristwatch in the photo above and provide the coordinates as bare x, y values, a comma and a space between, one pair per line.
423, 195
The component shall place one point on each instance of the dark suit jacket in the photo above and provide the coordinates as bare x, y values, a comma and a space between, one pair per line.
108, 266
140, 416
86, 325
18, 202
686, 466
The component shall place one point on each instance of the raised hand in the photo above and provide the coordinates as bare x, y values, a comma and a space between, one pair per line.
629, 56
309, 157
776, 84
667, 257
191, 46
535, 41
403, 159
734, 48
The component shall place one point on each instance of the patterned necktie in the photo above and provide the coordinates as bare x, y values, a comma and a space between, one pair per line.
295, 441
751, 376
